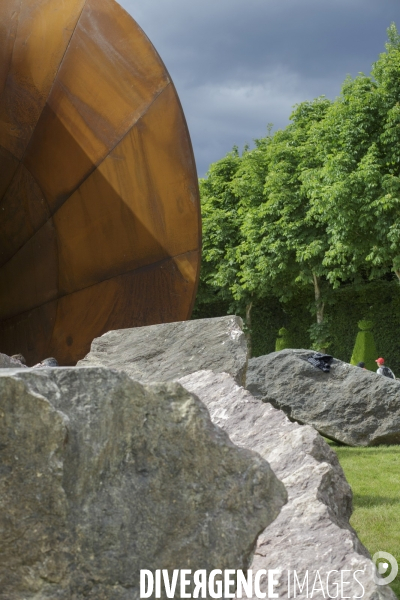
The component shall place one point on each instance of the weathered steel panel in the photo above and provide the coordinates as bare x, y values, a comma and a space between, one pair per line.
99, 205
39, 34
23, 210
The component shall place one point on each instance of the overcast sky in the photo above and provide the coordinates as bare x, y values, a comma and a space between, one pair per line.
241, 64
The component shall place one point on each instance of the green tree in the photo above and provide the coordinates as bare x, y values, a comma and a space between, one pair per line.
232, 185
315, 205
355, 194
221, 231
283, 244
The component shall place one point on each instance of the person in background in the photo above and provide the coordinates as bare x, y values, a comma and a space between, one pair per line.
383, 369
361, 364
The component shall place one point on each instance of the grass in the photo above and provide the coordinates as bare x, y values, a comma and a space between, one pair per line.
374, 475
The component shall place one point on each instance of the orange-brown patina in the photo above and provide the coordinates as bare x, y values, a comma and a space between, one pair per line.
99, 203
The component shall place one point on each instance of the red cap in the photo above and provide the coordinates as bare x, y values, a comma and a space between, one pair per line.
380, 361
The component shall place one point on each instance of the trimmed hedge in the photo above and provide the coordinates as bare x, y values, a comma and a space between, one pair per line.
283, 341
365, 348
377, 301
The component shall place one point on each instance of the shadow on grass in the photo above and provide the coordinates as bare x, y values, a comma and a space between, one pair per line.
362, 501
367, 452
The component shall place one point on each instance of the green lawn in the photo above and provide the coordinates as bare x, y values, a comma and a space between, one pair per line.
374, 475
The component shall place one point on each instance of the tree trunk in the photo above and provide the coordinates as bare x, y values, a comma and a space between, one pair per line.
397, 273
318, 303
248, 327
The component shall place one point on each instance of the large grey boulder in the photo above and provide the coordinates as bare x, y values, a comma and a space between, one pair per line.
102, 476
312, 532
172, 350
349, 404
7, 362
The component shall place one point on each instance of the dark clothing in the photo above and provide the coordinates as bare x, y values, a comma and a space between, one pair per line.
321, 361
386, 372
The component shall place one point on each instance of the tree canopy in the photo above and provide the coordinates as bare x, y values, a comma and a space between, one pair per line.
316, 204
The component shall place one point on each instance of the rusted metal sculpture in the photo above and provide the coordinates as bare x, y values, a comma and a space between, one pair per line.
99, 206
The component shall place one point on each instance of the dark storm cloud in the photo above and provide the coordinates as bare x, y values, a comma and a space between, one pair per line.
240, 64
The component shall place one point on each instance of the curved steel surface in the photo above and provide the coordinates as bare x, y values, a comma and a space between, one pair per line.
99, 204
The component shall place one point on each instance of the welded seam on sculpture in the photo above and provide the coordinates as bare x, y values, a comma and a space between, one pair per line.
1, 98
146, 267
11, 62
12, 155
44, 222
117, 143
91, 172
21, 160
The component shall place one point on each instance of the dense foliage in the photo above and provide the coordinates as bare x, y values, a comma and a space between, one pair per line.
379, 301
312, 208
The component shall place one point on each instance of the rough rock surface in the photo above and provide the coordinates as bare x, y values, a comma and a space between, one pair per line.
349, 404
172, 350
102, 476
6, 362
312, 532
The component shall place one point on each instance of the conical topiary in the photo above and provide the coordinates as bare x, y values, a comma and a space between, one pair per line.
364, 348
283, 341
